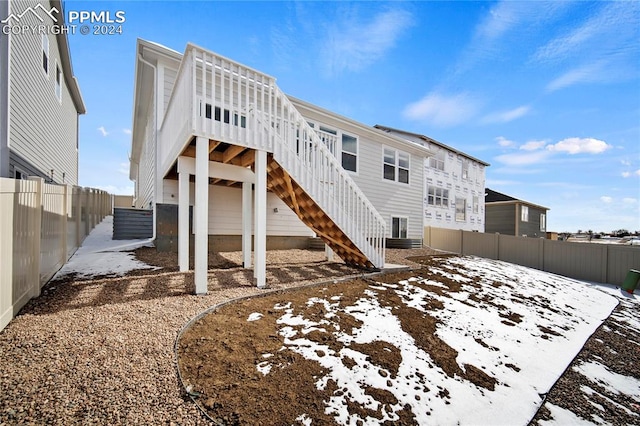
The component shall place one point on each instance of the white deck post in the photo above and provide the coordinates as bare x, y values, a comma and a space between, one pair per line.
201, 264
328, 252
246, 224
260, 237
183, 221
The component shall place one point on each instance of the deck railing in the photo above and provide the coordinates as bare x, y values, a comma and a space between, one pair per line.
220, 99
309, 161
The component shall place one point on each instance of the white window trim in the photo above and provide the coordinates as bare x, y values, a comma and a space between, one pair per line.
319, 126
441, 206
46, 72
438, 161
357, 153
543, 222
464, 200
524, 213
58, 87
401, 218
396, 166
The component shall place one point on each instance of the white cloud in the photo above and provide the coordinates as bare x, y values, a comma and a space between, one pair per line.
629, 200
507, 116
625, 162
589, 73
605, 30
629, 174
353, 45
580, 146
505, 20
126, 131
605, 199
533, 145
504, 142
442, 110
103, 131
522, 159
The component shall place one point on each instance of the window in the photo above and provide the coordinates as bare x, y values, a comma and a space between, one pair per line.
437, 161
543, 222
349, 153
19, 174
461, 209
398, 227
58, 83
329, 137
225, 116
45, 54
438, 197
465, 169
476, 204
395, 165
524, 213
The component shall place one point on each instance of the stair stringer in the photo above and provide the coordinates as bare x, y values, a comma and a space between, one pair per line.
311, 214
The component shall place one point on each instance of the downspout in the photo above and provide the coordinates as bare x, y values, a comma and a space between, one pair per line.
155, 141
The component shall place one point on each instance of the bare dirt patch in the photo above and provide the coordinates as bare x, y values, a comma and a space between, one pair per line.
236, 354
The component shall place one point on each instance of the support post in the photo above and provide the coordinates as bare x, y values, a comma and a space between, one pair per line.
260, 237
183, 221
246, 224
328, 253
201, 264
35, 234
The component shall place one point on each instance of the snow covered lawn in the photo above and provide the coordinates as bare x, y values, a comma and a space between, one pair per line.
465, 340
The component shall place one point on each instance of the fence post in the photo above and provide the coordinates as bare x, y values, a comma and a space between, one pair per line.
36, 225
78, 213
541, 254
65, 220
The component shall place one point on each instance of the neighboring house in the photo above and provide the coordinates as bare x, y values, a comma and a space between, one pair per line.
220, 152
40, 101
454, 185
510, 216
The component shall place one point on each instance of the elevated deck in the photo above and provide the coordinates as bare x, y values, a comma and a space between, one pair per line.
240, 112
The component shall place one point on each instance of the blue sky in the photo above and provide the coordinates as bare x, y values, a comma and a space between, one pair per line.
548, 93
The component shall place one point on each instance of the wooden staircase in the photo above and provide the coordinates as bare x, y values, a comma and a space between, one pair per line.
312, 215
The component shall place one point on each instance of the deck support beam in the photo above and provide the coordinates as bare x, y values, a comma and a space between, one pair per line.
260, 212
183, 221
247, 193
201, 210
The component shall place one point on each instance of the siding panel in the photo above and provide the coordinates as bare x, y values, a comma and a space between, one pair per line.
42, 130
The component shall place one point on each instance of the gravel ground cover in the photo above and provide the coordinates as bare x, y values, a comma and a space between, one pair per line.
101, 350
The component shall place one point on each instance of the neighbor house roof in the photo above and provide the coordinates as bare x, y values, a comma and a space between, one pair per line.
425, 138
496, 197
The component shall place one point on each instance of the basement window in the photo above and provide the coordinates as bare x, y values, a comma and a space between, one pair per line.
399, 227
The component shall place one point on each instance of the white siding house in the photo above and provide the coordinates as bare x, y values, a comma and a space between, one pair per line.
40, 100
454, 186
222, 154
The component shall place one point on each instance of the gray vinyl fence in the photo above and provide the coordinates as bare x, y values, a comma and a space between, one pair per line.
41, 226
604, 263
